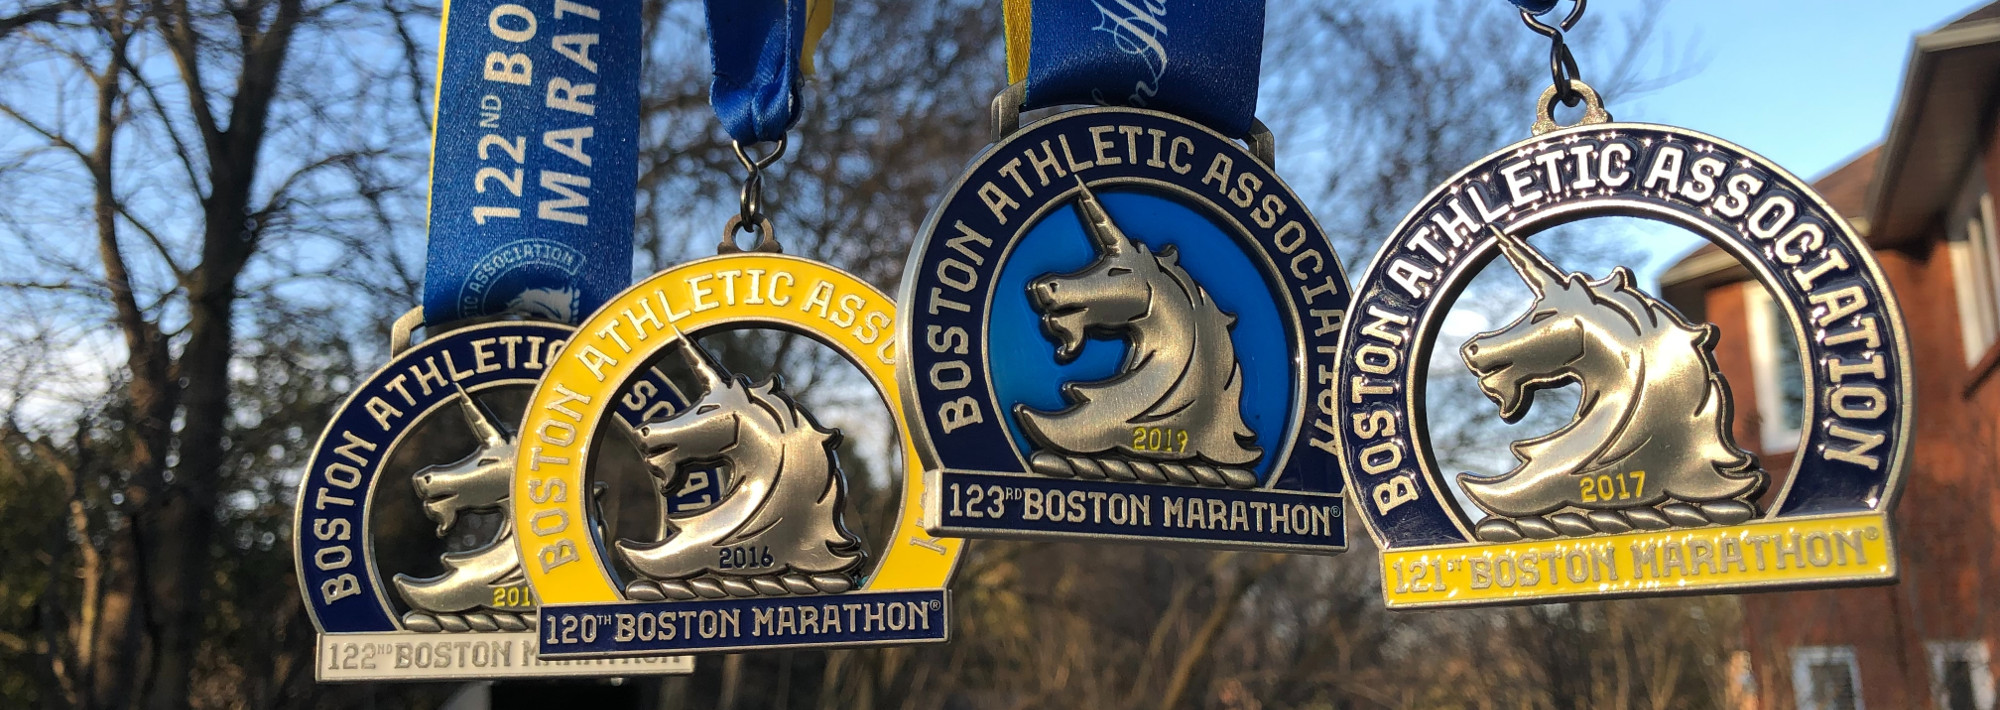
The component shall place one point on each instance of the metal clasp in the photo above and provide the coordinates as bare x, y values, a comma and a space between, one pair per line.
1562, 64
750, 215
1007, 120
402, 330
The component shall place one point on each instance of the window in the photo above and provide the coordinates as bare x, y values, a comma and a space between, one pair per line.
1780, 378
1960, 676
1975, 266
1826, 678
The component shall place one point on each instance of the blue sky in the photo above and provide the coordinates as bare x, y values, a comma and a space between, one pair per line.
1805, 83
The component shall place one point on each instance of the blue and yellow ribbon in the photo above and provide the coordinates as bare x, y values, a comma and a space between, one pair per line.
759, 50
1198, 60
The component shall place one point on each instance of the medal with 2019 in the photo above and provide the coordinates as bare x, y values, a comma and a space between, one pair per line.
771, 560
1122, 326
1644, 490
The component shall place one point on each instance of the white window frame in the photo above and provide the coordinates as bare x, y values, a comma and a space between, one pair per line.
1774, 433
1972, 652
1803, 660
1975, 265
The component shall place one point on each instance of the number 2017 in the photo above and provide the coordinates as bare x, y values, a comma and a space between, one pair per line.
1609, 487
1149, 438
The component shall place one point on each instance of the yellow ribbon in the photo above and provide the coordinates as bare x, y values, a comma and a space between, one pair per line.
1017, 16
819, 14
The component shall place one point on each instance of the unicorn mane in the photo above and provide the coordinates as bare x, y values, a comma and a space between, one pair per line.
1654, 405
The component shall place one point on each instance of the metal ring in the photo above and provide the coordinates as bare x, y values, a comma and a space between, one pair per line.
751, 199
1568, 22
1593, 109
1563, 72
767, 240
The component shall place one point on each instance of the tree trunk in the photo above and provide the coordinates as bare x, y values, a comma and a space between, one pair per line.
112, 666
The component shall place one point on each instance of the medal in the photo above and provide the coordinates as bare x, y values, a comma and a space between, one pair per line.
773, 560
1644, 491
1121, 323
405, 547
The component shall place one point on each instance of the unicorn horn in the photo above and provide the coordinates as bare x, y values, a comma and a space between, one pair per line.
481, 424
1096, 223
1534, 268
698, 360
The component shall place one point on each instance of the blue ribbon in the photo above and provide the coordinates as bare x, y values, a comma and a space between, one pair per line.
1194, 59
1535, 7
534, 161
755, 48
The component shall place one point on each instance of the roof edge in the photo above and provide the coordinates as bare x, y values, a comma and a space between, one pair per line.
1910, 101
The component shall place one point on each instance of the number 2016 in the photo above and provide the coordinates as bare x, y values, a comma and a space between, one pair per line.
744, 557
1608, 487
510, 597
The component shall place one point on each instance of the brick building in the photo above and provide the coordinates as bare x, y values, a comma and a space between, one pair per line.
1923, 202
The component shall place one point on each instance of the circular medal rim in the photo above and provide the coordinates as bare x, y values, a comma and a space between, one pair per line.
379, 590
1558, 214
1301, 381
909, 493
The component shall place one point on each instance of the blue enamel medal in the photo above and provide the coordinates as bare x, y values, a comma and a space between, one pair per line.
1116, 320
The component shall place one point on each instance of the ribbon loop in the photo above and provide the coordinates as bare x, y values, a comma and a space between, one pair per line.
758, 50
534, 160
1198, 60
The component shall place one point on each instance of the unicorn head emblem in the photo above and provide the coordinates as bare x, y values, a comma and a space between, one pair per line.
1173, 412
778, 528
1653, 420
478, 482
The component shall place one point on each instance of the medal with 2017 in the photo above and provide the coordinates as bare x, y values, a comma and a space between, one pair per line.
1644, 490
1111, 322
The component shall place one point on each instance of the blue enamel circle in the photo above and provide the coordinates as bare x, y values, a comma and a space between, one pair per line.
1025, 369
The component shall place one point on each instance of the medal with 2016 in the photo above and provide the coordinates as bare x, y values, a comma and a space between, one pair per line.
1644, 490
1121, 326
770, 562
770, 558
